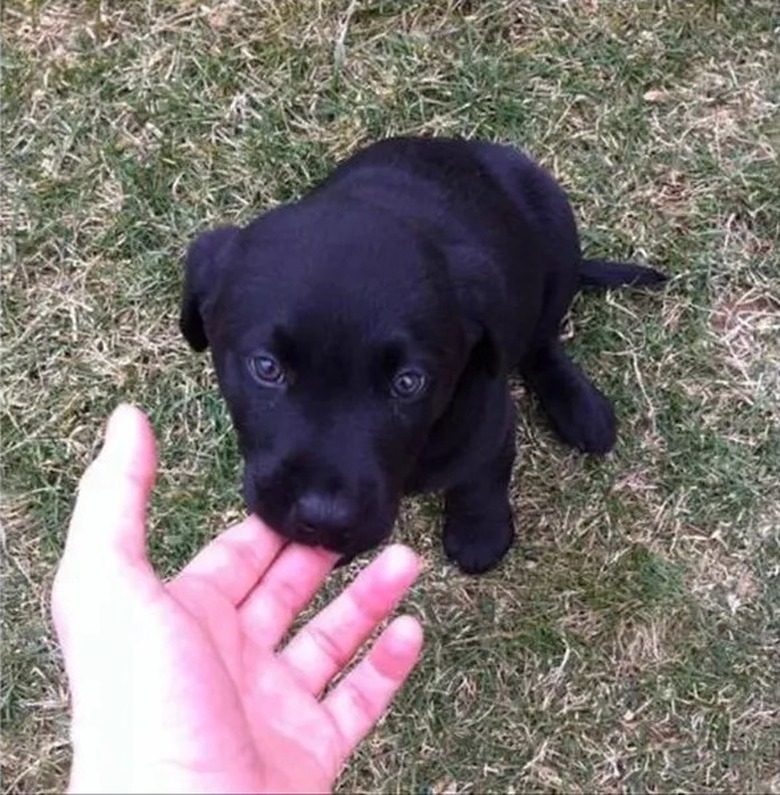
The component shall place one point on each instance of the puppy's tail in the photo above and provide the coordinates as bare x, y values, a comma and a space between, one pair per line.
602, 274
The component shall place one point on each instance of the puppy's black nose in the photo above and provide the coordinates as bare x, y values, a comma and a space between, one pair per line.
324, 517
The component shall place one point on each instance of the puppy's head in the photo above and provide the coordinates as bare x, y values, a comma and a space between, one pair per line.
338, 344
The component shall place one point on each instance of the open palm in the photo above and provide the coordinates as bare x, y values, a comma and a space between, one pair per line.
181, 686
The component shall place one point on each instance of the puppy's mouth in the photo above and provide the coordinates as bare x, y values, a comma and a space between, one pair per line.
348, 543
347, 548
365, 532
347, 523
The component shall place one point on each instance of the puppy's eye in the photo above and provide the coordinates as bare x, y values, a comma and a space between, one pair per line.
409, 384
267, 370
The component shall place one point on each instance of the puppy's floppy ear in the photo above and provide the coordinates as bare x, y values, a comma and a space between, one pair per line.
201, 272
477, 283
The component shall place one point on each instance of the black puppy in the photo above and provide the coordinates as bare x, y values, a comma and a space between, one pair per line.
362, 339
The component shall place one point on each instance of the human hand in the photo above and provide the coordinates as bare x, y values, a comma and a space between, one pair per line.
179, 686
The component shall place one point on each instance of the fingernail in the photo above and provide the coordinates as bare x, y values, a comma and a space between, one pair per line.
120, 434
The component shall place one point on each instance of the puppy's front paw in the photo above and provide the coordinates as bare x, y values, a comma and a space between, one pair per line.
476, 546
581, 416
590, 426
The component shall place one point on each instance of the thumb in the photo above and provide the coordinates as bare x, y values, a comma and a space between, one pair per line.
109, 519
106, 544
104, 574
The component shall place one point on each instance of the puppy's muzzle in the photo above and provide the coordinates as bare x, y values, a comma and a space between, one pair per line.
328, 520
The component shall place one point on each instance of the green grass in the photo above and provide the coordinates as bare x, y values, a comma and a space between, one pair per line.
630, 641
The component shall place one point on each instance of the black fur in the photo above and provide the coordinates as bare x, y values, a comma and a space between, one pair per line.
445, 260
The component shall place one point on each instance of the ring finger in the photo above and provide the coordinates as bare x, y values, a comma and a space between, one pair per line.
328, 642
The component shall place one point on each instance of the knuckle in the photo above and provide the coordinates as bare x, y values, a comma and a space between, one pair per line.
373, 608
361, 703
104, 474
329, 646
243, 555
284, 595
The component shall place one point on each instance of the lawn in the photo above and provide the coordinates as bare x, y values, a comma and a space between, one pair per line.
630, 641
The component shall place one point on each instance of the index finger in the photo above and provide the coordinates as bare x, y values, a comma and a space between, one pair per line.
235, 560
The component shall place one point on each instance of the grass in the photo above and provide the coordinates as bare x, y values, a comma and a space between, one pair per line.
630, 640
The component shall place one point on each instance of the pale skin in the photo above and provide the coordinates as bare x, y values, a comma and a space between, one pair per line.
182, 686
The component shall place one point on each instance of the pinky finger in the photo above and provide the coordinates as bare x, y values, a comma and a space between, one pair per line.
357, 703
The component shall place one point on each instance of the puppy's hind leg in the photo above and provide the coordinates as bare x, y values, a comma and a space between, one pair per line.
579, 413
478, 524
